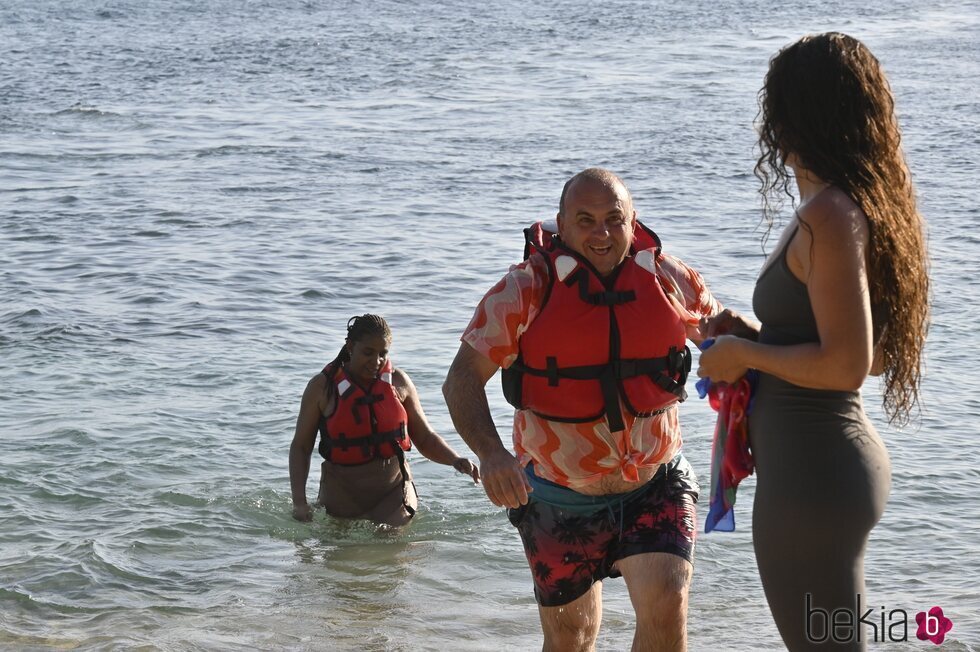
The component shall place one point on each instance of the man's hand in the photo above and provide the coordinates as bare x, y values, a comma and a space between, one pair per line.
504, 479
303, 513
729, 322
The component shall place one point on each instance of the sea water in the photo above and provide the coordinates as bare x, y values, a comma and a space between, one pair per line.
194, 197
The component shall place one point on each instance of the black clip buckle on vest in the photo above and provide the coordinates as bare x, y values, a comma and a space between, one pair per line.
678, 364
552, 371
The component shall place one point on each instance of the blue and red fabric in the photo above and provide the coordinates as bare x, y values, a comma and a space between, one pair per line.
731, 458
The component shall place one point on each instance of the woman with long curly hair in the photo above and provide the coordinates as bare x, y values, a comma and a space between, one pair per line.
844, 294
368, 415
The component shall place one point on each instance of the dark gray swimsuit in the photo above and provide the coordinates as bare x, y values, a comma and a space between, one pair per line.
823, 480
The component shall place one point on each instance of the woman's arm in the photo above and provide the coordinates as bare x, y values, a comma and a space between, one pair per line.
302, 446
426, 439
831, 257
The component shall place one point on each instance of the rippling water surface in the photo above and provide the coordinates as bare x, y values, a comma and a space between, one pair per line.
195, 196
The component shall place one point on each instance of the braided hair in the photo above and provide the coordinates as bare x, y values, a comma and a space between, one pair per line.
357, 328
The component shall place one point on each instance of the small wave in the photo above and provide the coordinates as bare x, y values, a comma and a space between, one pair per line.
234, 150
318, 294
67, 267
62, 332
175, 333
146, 300
108, 561
192, 328
63, 587
46, 238
17, 316
181, 500
68, 496
88, 112
39, 188
29, 641
235, 190
178, 221
18, 597
74, 436
104, 275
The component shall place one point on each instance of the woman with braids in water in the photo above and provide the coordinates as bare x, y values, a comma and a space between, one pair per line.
844, 294
368, 414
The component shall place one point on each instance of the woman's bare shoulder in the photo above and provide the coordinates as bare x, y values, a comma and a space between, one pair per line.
402, 383
399, 378
835, 213
316, 391
317, 382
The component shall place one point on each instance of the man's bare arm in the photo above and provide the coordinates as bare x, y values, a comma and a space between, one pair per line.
466, 397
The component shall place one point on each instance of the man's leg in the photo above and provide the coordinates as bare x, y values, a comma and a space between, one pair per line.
658, 583
573, 627
566, 554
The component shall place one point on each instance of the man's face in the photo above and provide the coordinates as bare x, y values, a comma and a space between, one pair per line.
598, 223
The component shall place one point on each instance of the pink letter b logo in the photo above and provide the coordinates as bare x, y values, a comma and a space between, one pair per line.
933, 625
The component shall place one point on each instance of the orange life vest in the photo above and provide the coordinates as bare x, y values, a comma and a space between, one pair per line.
366, 422
598, 340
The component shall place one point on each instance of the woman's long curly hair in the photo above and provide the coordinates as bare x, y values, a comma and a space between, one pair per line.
826, 100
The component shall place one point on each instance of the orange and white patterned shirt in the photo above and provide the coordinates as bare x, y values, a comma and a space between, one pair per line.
576, 455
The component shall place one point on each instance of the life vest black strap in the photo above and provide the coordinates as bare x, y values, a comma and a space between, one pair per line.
668, 372
368, 400
676, 361
366, 442
604, 298
668, 384
552, 370
610, 398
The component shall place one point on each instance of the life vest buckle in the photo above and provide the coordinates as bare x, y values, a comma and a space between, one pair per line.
552, 371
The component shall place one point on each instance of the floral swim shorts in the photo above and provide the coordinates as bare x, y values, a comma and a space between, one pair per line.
569, 549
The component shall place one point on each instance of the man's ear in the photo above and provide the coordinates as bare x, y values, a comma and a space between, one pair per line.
558, 220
